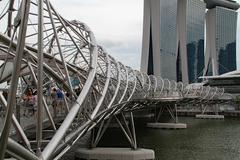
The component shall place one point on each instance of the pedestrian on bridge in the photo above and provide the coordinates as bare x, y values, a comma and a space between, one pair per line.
54, 101
30, 102
60, 100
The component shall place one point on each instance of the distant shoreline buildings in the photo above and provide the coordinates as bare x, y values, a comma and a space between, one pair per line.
174, 37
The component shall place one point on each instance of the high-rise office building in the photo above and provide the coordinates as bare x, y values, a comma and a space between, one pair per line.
221, 27
173, 39
159, 38
190, 56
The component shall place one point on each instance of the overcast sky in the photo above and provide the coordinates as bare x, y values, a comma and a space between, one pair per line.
117, 25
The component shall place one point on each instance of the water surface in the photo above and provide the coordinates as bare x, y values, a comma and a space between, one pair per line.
202, 140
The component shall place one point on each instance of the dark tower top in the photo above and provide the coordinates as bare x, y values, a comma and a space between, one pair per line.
222, 3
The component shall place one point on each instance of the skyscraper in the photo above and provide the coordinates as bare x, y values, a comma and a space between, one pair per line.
159, 38
173, 39
190, 56
221, 27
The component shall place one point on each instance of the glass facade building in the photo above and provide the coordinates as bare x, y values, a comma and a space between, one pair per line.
194, 39
226, 28
168, 32
221, 29
159, 38
174, 38
164, 21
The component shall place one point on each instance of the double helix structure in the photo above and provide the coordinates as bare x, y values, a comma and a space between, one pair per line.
41, 50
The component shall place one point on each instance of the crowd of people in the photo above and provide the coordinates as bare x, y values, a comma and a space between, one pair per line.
54, 98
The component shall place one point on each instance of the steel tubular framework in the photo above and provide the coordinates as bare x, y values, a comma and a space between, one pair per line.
39, 49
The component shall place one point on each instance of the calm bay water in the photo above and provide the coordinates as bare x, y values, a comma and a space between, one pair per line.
202, 140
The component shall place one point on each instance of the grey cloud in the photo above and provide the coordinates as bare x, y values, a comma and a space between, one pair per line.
76, 3
117, 24
120, 46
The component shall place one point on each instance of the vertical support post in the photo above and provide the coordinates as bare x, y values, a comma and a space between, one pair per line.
18, 113
100, 133
155, 113
202, 109
126, 125
133, 131
176, 119
92, 137
125, 132
100, 130
217, 108
18, 106
161, 109
40, 78
15, 77
10, 9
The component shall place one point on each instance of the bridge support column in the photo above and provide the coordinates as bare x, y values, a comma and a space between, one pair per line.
214, 111
128, 130
102, 153
172, 110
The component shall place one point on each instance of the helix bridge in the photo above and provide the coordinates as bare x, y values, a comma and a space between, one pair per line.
39, 49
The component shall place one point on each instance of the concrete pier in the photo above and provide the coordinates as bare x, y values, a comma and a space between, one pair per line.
208, 116
167, 125
114, 154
